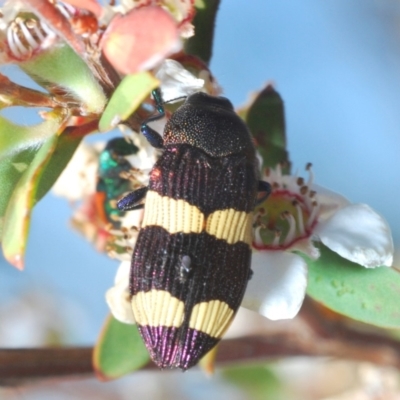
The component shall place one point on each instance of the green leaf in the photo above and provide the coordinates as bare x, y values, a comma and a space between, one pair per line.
65, 148
368, 295
60, 66
266, 120
18, 147
119, 350
31, 159
127, 97
258, 381
17, 215
201, 44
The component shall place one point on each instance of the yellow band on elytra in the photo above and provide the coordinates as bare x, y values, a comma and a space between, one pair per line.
172, 215
211, 317
157, 308
180, 216
230, 225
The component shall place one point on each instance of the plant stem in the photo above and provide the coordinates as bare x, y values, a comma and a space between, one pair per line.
312, 334
19, 366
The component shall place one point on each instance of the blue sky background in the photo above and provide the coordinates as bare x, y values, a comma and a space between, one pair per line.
336, 64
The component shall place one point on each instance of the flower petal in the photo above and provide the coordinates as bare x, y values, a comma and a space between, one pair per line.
122, 275
329, 202
176, 81
9, 10
307, 247
278, 285
118, 297
78, 180
359, 234
133, 43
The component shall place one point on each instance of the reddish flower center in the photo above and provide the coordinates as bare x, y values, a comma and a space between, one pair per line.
287, 216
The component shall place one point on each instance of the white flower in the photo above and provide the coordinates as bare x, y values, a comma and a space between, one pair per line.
20, 35
296, 214
118, 297
124, 238
176, 81
79, 178
9, 11
143, 161
112, 232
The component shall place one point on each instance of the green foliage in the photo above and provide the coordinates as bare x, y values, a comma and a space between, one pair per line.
31, 159
18, 147
119, 350
266, 120
67, 143
60, 67
201, 43
258, 381
127, 97
367, 295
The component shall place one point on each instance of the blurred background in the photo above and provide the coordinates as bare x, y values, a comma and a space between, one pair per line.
336, 64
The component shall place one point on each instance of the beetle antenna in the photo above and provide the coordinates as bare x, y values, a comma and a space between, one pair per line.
158, 99
175, 99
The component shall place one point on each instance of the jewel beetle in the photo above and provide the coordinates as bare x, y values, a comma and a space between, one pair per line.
191, 262
111, 182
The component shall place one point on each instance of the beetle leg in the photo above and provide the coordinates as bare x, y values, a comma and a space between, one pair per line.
131, 200
266, 188
153, 137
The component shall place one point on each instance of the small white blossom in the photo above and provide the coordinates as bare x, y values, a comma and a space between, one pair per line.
78, 180
297, 214
142, 161
20, 35
176, 81
118, 297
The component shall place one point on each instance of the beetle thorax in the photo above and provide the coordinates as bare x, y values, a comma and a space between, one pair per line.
214, 128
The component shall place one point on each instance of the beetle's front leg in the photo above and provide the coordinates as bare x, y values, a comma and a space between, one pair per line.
132, 200
263, 187
153, 137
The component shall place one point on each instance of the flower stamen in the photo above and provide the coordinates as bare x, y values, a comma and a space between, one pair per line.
300, 181
65, 9
277, 238
257, 236
289, 214
47, 29
17, 41
310, 174
33, 25
313, 215
303, 190
25, 36
11, 43
300, 221
279, 171
292, 227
